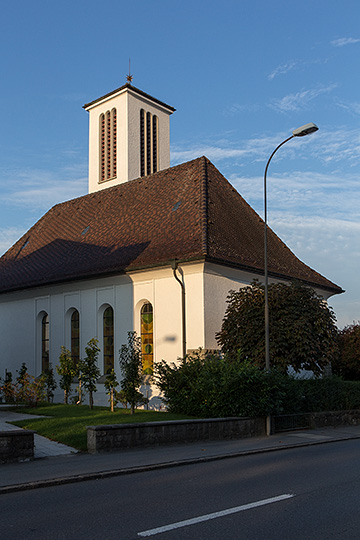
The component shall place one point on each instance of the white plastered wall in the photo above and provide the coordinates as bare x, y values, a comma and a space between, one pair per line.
207, 286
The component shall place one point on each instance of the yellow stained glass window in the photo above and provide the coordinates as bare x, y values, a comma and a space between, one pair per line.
147, 345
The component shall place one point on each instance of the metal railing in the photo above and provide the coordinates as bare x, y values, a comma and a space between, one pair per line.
290, 422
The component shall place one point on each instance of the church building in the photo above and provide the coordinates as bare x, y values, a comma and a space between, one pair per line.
150, 248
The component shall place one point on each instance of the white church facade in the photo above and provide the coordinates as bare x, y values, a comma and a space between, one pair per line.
150, 248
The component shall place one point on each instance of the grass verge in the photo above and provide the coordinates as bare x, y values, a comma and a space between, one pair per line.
67, 423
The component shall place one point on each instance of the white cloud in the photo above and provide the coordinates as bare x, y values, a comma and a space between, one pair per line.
326, 147
300, 100
340, 42
353, 108
236, 108
42, 189
8, 237
283, 68
332, 247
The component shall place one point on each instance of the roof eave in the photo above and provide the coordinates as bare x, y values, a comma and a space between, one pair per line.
129, 86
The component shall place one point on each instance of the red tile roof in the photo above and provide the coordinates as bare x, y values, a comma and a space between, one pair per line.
189, 212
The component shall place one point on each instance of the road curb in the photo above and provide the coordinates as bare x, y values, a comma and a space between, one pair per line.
72, 479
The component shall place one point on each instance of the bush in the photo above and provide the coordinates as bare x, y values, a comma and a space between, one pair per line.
216, 387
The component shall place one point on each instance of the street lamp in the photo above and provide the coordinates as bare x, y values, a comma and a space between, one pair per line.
299, 132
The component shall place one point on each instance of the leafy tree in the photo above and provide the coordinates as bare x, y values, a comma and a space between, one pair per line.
89, 369
111, 384
132, 372
303, 334
348, 363
67, 370
49, 383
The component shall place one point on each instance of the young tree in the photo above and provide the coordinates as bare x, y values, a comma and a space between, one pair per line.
67, 371
49, 383
132, 371
303, 334
8, 389
21, 381
30, 389
89, 369
348, 363
111, 384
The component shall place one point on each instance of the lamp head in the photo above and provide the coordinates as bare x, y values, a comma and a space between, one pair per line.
305, 130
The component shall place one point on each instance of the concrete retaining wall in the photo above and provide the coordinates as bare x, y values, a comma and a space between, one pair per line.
119, 436
335, 418
16, 444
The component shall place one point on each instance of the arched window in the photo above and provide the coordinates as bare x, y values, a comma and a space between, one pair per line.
107, 145
45, 342
108, 326
148, 143
147, 340
75, 336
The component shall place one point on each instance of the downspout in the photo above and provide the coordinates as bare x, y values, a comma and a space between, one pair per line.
174, 266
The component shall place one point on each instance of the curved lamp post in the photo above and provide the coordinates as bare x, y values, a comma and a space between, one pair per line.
299, 132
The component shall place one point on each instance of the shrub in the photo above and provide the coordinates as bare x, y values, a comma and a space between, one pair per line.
216, 387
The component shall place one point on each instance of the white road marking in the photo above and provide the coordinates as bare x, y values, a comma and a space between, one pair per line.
206, 517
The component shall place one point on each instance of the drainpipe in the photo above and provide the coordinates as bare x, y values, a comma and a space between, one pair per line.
174, 266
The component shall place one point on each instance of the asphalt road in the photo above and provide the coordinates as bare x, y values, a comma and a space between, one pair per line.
307, 493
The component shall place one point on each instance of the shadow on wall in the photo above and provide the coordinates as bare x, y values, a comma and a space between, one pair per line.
151, 392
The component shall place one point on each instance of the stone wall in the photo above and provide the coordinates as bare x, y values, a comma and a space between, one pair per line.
16, 444
335, 418
119, 436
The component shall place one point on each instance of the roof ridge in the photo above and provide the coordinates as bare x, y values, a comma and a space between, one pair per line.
204, 207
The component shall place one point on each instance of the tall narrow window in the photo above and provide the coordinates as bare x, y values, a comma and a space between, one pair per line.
102, 147
113, 143
107, 145
75, 336
155, 144
147, 340
148, 143
108, 325
149, 147
45, 342
142, 142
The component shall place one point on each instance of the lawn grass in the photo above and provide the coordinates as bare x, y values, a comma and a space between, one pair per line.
67, 423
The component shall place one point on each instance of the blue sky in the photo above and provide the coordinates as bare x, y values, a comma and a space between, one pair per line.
241, 74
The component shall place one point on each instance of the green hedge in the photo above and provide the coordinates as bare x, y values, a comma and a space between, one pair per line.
214, 387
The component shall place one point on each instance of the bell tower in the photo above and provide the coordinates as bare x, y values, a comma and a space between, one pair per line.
129, 136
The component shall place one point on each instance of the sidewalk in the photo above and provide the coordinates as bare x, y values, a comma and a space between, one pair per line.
73, 467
